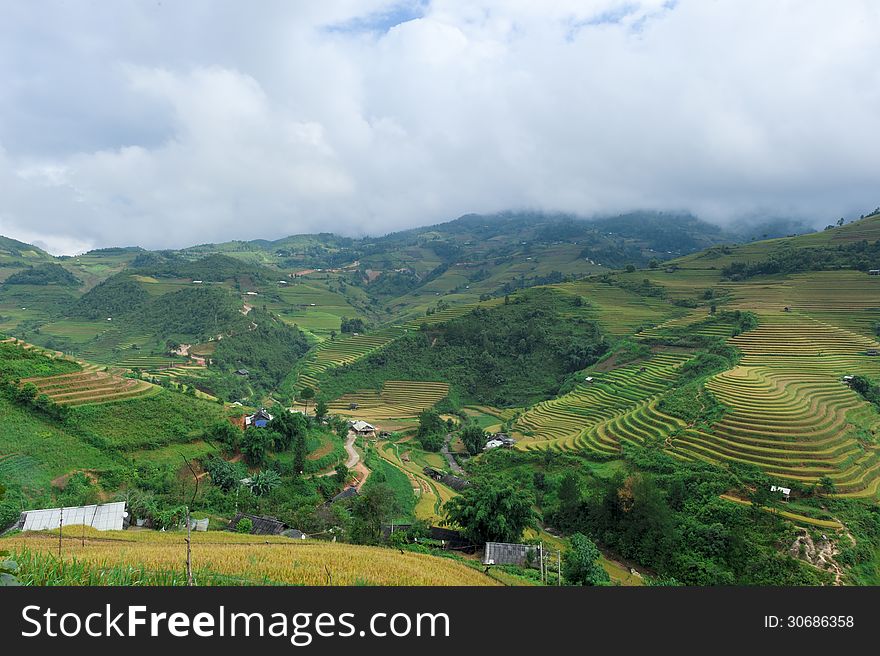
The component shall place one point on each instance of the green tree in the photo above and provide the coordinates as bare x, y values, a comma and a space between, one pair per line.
299, 454
245, 525
307, 394
492, 509
341, 473
255, 443
474, 439
321, 409
225, 475
375, 506
225, 433
580, 564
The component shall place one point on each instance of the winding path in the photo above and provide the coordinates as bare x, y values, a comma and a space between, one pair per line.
454, 466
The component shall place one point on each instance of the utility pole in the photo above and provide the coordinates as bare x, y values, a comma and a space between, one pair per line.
558, 567
189, 576
60, 526
542, 561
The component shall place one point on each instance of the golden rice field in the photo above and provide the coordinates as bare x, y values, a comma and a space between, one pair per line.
256, 558
397, 399
789, 411
91, 385
598, 415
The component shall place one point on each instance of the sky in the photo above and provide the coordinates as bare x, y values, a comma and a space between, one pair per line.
169, 123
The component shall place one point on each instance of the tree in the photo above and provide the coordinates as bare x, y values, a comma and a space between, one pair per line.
225, 475
431, 430
254, 444
654, 263
299, 454
580, 565
630, 268
492, 510
321, 409
474, 439
826, 484
225, 433
289, 426
307, 394
373, 507
245, 525
430, 422
341, 473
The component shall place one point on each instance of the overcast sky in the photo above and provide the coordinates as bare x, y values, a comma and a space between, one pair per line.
168, 123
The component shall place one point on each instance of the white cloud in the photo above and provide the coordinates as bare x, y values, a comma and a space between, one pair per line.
204, 121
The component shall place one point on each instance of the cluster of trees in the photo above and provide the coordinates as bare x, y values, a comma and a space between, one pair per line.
44, 274
669, 517
861, 255
432, 430
212, 268
868, 389
268, 351
513, 354
115, 297
355, 325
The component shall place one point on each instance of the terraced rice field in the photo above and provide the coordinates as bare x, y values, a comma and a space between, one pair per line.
342, 350
600, 414
91, 385
789, 412
431, 494
397, 399
149, 362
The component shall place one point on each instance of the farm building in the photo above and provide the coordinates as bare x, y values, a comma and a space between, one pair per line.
872, 352
242, 372
347, 493
260, 419
493, 444
362, 428
504, 438
874, 272
294, 534
353, 406
456, 483
261, 525
103, 517
784, 491
505, 553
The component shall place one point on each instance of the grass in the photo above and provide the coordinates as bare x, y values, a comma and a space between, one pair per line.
157, 420
33, 452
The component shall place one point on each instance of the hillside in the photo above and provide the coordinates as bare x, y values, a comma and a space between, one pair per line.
726, 366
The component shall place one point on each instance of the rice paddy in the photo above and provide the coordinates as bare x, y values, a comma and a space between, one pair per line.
397, 399
616, 405
91, 385
252, 560
340, 351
